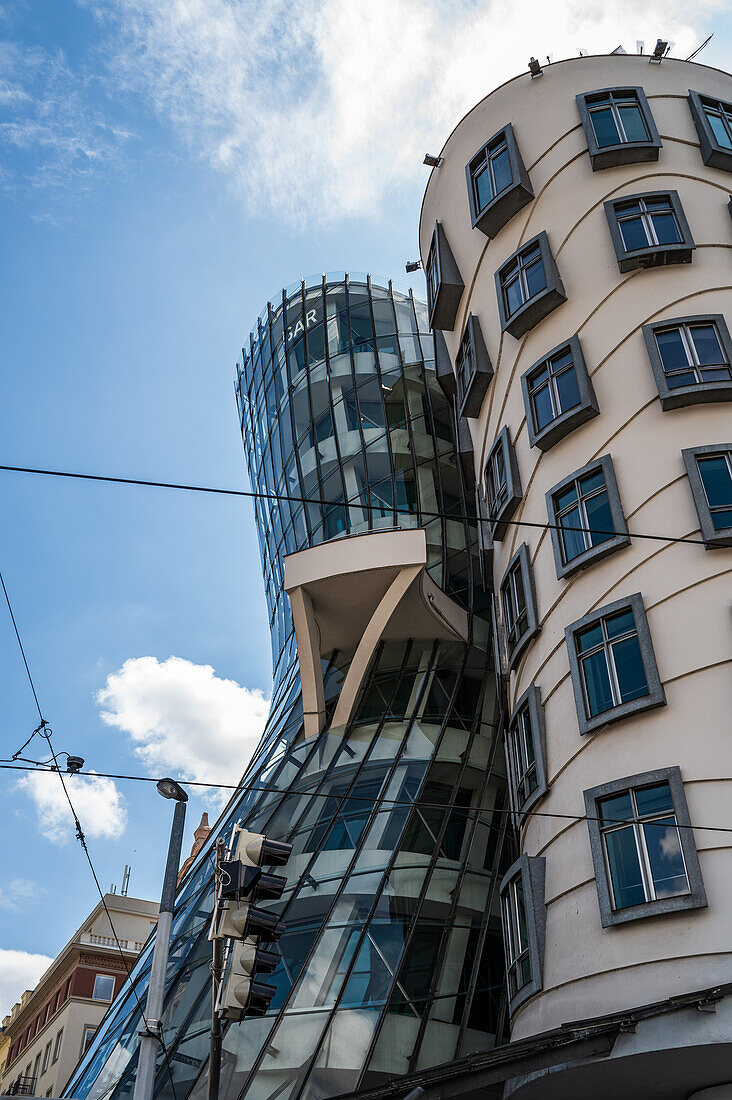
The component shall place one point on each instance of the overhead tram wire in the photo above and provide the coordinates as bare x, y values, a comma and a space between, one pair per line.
371, 799
47, 733
380, 508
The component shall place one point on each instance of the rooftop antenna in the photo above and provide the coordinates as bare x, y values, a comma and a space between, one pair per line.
582, 51
639, 46
699, 49
126, 880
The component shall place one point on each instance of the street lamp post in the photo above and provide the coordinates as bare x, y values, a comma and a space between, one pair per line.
151, 1035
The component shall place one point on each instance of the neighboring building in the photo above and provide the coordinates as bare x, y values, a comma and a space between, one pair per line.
200, 836
53, 1024
381, 761
578, 246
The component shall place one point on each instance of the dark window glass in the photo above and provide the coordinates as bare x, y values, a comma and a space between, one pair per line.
518, 960
617, 118
720, 119
692, 353
646, 222
496, 481
523, 279
515, 610
582, 511
432, 276
716, 475
553, 388
490, 172
611, 662
523, 751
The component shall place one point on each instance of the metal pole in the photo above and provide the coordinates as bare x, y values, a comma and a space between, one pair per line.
149, 1037
214, 1060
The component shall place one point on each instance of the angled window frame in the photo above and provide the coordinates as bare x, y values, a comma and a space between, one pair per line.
698, 392
655, 697
531, 870
519, 564
695, 899
498, 521
540, 305
445, 285
650, 255
473, 382
565, 422
714, 154
624, 152
529, 704
591, 554
491, 218
713, 537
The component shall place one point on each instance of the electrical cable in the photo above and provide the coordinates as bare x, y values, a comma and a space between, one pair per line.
370, 799
381, 508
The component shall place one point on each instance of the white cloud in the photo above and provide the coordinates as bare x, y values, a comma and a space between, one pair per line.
184, 719
19, 970
97, 801
18, 894
319, 109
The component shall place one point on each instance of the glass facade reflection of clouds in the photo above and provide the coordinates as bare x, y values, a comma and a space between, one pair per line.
391, 960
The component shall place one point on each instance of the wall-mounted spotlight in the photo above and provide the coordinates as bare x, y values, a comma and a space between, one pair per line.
659, 52
432, 162
413, 265
535, 68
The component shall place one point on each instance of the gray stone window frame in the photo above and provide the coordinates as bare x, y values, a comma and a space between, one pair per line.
443, 302
700, 392
498, 523
471, 389
695, 899
625, 152
713, 538
713, 154
532, 870
503, 206
652, 255
530, 701
656, 696
566, 422
522, 562
603, 549
535, 309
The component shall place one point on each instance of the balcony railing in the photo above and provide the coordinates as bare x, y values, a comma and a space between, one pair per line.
110, 941
22, 1086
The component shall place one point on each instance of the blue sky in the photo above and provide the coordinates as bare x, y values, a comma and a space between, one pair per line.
164, 168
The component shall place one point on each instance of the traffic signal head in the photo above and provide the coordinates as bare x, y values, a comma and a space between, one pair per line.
240, 994
255, 849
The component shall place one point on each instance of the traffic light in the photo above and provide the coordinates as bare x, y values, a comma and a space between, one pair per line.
250, 929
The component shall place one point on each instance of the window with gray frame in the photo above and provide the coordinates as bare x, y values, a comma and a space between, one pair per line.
690, 358
646, 863
498, 183
444, 282
523, 915
57, 1046
518, 604
473, 369
558, 395
587, 515
713, 121
528, 286
619, 127
526, 751
502, 485
612, 664
649, 230
709, 470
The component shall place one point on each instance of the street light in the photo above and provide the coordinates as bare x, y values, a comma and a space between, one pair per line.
151, 1035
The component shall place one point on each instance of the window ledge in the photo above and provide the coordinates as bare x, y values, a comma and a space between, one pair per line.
535, 310
656, 256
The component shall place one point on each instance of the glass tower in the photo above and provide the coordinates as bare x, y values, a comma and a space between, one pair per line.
392, 959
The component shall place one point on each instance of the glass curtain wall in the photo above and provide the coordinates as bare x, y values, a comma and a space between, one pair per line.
392, 958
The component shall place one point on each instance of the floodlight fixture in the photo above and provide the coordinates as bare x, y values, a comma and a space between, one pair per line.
74, 764
413, 265
659, 52
168, 788
432, 162
535, 68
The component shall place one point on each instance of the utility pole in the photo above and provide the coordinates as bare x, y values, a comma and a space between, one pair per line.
217, 965
151, 1036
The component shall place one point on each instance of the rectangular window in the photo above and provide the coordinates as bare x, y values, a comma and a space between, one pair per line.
57, 1045
496, 481
709, 470
518, 960
444, 283
649, 230
519, 604
103, 987
490, 172
643, 847
586, 515
46, 1057
498, 183
523, 279
502, 485
719, 116
526, 751
528, 287
432, 275
37, 1066
523, 915
713, 122
647, 222
89, 1033
473, 369
692, 354
619, 127
553, 388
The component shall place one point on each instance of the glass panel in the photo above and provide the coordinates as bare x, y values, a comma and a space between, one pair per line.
620, 623
625, 869
543, 410
592, 481
599, 519
654, 800
573, 541
634, 234
617, 808
535, 278
597, 683
565, 497
664, 855
667, 231
568, 390
671, 349
633, 124
514, 297
717, 481
589, 637
629, 669
604, 125
501, 170
483, 189
706, 344
719, 130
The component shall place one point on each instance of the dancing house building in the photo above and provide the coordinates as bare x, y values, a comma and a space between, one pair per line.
381, 761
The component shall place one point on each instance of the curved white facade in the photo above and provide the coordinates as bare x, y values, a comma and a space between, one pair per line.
589, 970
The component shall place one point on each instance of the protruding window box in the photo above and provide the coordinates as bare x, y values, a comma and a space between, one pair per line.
558, 395
443, 365
502, 484
444, 282
713, 122
523, 916
691, 358
646, 863
587, 517
649, 230
709, 470
474, 369
526, 752
518, 605
498, 183
528, 287
619, 127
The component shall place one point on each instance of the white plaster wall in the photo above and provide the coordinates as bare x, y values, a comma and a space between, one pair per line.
687, 590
